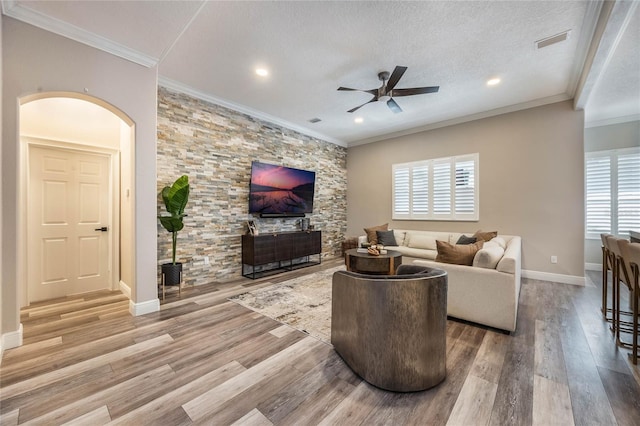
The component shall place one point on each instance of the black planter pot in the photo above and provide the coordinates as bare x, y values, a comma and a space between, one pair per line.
172, 273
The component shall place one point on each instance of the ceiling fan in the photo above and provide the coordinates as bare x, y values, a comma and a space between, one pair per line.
387, 91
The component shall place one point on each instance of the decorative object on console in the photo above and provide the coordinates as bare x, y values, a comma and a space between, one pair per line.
372, 236
252, 228
175, 199
278, 191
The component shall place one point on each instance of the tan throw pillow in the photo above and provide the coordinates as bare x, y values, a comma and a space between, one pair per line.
371, 232
485, 236
457, 254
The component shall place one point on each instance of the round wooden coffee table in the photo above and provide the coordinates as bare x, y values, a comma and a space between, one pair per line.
384, 264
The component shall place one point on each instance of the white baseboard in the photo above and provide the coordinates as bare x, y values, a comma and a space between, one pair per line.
125, 289
143, 308
558, 278
593, 266
10, 340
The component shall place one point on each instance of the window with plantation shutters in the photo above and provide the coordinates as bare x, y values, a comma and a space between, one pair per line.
612, 192
436, 189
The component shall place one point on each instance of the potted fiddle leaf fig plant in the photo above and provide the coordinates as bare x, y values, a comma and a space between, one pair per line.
175, 199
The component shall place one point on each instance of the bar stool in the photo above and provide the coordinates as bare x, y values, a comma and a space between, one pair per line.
607, 265
634, 262
620, 274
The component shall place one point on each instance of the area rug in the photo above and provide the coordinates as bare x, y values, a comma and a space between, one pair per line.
303, 303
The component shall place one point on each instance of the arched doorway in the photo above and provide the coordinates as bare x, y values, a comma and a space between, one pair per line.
76, 154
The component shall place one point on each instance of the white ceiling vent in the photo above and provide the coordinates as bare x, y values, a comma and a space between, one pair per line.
553, 39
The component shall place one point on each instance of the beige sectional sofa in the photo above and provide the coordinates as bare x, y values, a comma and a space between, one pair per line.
486, 293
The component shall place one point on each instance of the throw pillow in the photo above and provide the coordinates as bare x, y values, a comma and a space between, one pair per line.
485, 236
371, 232
489, 256
457, 254
464, 240
386, 238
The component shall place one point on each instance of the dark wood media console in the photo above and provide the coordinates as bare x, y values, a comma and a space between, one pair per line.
280, 251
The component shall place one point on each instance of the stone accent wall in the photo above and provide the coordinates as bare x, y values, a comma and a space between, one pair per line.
215, 146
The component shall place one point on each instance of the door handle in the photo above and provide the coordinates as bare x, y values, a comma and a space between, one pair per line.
103, 229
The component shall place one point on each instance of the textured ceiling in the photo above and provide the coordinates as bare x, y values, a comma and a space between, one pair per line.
210, 49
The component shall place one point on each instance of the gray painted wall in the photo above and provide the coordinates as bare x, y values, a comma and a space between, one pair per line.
614, 136
43, 62
215, 147
531, 181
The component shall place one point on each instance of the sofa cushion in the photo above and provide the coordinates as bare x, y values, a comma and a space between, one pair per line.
489, 256
421, 241
414, 252
400, 237
485, 236
457, 254
500, 241
425, 239
386, 238
464, 240
371, 232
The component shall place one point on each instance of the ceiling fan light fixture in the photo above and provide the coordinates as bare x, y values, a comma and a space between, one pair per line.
384, 98
493, 81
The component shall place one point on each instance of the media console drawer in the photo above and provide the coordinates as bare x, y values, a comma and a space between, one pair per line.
279, 251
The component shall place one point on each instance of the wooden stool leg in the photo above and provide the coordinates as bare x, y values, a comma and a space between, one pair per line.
636, 296
605, 269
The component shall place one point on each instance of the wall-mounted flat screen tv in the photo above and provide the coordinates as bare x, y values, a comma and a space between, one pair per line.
280, 191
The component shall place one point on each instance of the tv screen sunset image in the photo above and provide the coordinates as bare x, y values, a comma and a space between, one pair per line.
280, 190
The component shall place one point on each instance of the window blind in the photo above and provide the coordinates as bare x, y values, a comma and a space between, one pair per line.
436, 189
612, 192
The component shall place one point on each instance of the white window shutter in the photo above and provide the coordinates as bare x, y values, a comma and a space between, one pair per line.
438, 189
612, 192
442, 188
628, 193
401, 192
598, 195
466, 198
420, 190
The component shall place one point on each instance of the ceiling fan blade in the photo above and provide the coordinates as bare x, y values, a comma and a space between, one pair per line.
372, 91
415, 91
375, 98
395, 77
393, 106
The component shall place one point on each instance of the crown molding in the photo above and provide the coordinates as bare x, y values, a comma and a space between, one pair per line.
14, 10
611, 121
486, 114
187, 90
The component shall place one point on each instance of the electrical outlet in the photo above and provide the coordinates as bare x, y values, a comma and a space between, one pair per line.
554, 259
206, 260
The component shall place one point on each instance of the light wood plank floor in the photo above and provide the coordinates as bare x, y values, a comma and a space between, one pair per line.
205, 360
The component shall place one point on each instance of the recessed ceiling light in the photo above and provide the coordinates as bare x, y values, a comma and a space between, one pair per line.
262, 72
493, 81
358, 120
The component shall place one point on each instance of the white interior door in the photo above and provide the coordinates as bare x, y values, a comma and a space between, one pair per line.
68, 205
